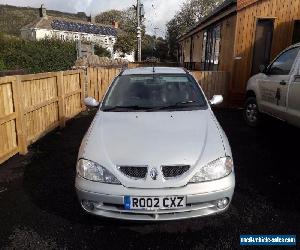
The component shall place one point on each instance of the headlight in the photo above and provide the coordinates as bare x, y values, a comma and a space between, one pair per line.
214, 170
94, 172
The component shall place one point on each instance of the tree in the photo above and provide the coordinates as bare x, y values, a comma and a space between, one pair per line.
126, 42
147, 46
161, 49
110, 16
190, 13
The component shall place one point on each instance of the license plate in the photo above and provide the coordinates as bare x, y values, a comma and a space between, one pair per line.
154, 203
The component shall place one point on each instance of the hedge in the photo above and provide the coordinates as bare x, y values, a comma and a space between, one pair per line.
36, 56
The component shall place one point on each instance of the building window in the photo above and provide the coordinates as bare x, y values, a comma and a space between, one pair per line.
62, 37
211, 48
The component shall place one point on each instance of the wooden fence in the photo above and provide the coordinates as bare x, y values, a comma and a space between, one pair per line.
33, 105
98, 81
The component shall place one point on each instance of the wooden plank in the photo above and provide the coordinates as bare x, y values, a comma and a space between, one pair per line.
7, 79
20, 121
43, 104
96, 86
61, 99
99, 84
244, 3
38, 76
82, 88
72, 72
7, 118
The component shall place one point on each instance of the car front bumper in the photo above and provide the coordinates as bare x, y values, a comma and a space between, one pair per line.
108, 200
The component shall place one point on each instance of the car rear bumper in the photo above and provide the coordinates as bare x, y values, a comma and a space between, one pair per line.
201, 199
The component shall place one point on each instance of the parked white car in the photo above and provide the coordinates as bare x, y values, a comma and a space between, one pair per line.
276, 91
155, 150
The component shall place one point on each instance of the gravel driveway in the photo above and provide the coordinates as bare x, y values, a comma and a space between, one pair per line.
38, 206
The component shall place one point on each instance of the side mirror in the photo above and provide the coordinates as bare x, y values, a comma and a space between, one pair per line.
262, 68
217, 99
91, 102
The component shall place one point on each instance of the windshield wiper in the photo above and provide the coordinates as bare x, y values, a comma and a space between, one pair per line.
176, 105
132, 107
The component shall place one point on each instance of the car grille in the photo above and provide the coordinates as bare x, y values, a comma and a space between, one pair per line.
138, 172
174, 171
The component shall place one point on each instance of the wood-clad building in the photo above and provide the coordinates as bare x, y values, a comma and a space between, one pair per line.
238, 37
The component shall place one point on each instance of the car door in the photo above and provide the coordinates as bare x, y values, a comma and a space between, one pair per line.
274, 86
293, 110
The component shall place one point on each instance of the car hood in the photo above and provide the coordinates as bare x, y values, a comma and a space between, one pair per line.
153, 139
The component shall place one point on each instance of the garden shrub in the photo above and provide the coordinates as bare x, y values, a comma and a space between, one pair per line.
36, 56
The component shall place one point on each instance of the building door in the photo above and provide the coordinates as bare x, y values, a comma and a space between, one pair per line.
296, 34
262, 44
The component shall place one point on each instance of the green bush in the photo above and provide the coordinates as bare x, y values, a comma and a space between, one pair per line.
102, 52
2, 66
36, 56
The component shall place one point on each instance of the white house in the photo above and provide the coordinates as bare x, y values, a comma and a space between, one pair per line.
71, 30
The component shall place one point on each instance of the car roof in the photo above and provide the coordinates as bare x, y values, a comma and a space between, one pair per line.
157, 70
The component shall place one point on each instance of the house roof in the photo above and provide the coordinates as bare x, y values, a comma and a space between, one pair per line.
215, 12
65, 24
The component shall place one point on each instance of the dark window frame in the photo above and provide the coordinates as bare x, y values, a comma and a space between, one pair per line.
210, 52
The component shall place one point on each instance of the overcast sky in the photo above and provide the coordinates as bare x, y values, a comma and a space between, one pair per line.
158, 12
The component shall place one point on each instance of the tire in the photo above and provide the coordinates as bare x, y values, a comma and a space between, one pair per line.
252, 115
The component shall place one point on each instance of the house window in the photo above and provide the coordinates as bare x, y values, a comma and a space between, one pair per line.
211, 48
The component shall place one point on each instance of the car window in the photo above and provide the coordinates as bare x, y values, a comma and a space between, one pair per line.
283, 64
153, 91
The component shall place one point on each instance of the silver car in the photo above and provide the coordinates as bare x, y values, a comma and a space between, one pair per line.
155, 150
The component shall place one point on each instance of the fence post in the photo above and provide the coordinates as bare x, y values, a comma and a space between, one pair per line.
83, 86
20, 120
61, 99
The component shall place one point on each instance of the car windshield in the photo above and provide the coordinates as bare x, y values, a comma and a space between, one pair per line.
153, 93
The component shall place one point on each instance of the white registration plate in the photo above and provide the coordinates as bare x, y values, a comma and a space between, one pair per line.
154, 203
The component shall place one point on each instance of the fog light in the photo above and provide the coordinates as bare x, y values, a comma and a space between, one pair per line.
88, 205
99, 205
221, 204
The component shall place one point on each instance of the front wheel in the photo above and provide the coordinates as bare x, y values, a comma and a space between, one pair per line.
251, 112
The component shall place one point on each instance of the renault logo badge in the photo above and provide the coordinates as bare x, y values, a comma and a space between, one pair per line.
153, 173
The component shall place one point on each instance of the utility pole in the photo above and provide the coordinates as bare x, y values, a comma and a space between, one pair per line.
139, 30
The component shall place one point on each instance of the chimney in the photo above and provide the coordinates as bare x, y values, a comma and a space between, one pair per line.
43, 11
92, 19
115, 24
